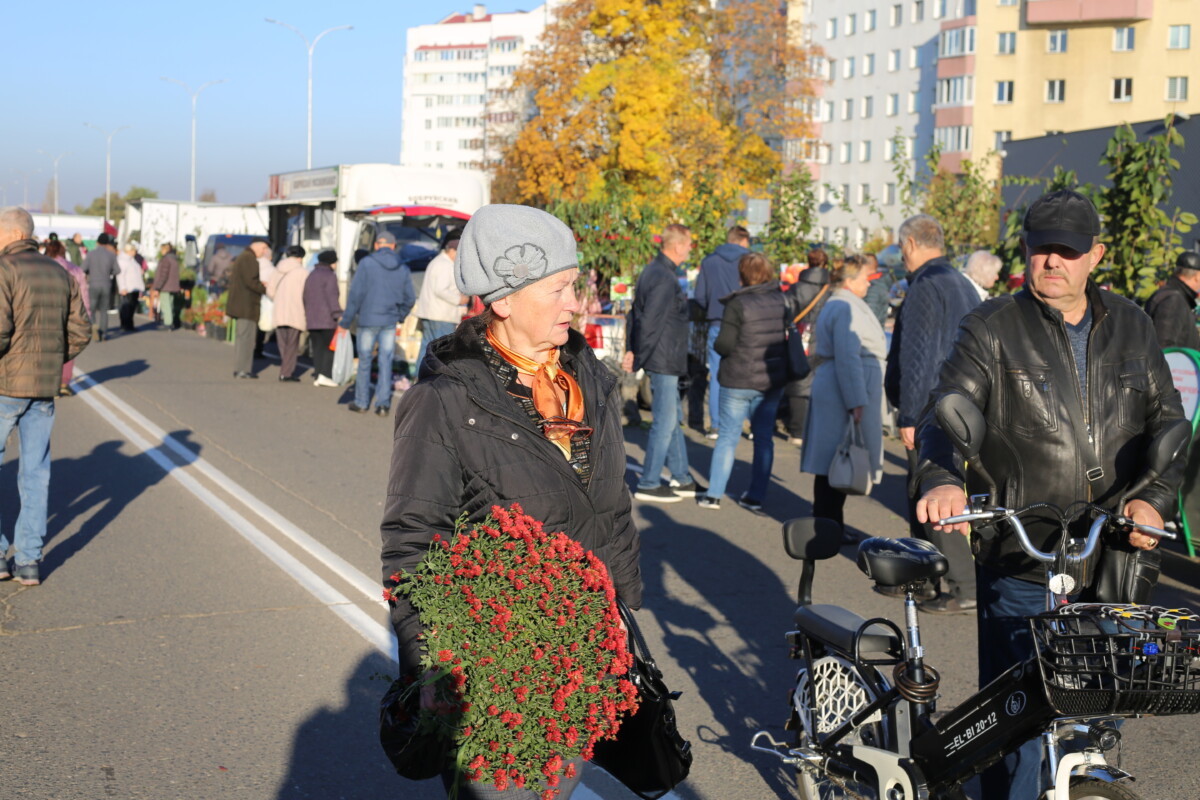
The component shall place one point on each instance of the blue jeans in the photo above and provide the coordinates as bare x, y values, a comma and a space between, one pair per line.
34, 419
1004, 640
714, 366
431, 329
738, 405
367, 339
666, 444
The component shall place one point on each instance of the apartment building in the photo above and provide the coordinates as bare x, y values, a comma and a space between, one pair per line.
879, 67
457, 85
1018, 69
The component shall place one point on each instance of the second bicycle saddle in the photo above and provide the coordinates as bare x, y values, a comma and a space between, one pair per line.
897, 562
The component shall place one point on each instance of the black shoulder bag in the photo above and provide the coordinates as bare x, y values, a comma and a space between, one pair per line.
1125, 573
649, 755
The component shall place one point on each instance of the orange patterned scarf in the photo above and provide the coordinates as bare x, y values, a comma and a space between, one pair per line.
556, 395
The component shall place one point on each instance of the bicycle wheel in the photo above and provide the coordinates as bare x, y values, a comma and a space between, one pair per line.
1095, 789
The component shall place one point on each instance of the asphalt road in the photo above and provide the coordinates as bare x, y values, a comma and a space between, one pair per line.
209, 628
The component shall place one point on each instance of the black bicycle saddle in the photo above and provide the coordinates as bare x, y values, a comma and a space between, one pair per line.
896, 562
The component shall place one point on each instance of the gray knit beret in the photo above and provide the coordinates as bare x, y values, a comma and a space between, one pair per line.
505, 248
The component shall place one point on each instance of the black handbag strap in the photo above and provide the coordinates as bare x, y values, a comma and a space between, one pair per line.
637, 641
1030, 315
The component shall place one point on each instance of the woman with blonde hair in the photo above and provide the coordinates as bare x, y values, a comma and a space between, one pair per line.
847, 385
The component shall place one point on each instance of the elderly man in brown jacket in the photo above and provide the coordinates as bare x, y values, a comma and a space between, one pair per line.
244, 303
42, 325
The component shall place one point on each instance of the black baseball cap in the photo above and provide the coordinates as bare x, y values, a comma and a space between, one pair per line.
1188, 260
1063, 217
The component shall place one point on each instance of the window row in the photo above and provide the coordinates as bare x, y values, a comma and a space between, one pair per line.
850, 65
862, 196
452, 54
1179, 37
449, 77
1122, 90
938, 9
454, 100
865, 107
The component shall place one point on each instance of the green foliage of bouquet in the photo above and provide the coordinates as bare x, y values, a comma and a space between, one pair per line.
525, 657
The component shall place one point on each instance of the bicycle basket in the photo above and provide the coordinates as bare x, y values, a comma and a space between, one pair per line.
1119, 660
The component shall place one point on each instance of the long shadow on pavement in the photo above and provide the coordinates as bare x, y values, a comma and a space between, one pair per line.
735, 653
98, 486
126, 370
336, 751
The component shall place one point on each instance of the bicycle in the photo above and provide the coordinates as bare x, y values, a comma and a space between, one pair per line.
861, 733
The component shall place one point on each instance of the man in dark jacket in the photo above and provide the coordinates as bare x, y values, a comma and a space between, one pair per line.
1061, 350
805, 299
718, 278
244, 304
938, 297
656, 341
381, 295
101, 268
1173, 307
42, 326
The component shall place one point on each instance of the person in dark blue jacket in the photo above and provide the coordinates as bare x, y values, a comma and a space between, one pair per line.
656, 341
939, 296
381, 295
718, 278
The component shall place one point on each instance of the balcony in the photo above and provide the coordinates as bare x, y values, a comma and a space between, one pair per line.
1046, 12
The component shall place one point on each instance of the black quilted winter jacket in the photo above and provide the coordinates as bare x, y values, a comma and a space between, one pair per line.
462, 445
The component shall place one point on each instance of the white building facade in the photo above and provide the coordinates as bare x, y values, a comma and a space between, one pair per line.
880, 68
457, 78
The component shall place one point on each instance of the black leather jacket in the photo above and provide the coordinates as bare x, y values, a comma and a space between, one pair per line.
1031, 450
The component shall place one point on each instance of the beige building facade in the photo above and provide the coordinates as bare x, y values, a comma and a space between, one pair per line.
1018, 69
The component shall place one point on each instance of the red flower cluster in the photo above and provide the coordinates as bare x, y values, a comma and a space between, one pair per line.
523, 631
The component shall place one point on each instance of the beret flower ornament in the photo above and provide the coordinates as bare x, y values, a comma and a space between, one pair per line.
520, 264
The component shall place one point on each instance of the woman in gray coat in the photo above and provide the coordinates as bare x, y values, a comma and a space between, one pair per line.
847, 384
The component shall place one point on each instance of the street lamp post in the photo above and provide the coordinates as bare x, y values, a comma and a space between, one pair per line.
56, 160
310, 46
107, 165
194, 95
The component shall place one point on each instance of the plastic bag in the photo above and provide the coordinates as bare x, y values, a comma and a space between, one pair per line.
266, 314
343, 358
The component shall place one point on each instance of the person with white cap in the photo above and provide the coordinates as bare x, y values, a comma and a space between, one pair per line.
513, 407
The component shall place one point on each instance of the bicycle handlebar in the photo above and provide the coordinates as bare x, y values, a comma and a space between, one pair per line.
1089, 545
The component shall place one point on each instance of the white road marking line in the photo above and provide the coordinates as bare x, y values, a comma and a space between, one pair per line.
372, 590
380, 637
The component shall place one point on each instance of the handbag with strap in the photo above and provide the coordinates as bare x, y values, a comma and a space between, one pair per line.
648, 755
850, 470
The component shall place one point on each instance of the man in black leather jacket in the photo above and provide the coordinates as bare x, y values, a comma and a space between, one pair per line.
1024, 359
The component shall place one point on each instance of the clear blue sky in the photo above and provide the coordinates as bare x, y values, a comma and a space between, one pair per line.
82, 61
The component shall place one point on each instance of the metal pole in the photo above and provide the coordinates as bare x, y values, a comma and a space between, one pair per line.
195, 95
107, 166
311, 46
56, 159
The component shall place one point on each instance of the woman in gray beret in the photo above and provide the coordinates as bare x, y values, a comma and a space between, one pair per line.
511, 407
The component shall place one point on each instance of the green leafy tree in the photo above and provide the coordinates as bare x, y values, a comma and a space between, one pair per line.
615, 229
966, 203
1143, 238
793, 216
116, 202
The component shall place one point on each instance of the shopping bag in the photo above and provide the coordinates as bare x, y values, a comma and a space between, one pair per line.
850, 471
343, 358
266, 314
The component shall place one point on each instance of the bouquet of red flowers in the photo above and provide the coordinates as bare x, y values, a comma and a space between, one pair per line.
525, 655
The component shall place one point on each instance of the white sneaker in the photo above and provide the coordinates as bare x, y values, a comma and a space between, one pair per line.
323, 381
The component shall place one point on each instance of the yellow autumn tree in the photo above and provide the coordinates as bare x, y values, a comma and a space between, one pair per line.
683, 104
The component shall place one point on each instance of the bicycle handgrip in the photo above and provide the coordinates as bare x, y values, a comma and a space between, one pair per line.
1126, 522
975, 517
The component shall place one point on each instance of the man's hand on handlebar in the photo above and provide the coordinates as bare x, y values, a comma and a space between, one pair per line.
941, 502
1143, 513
